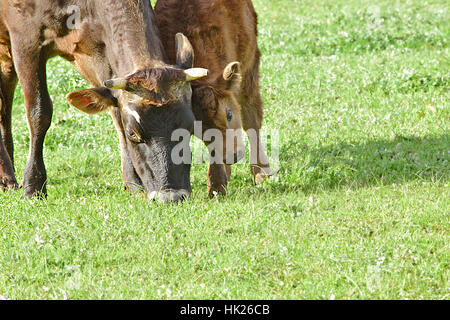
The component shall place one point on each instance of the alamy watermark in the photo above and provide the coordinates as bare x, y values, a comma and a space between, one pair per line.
257, 148
74, 19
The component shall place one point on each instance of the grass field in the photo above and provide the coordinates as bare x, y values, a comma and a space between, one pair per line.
360, 208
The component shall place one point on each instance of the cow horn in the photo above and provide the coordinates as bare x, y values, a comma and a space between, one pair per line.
185, 52
232, 69
196, 73
116, 84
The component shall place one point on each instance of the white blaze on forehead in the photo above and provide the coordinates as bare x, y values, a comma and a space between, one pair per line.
134, 114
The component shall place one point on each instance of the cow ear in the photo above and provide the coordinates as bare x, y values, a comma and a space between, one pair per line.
92, 101
232, 75
185, 52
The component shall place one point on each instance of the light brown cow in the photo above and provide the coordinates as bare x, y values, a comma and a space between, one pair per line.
224, 37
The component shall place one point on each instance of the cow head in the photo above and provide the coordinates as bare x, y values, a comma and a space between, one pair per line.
153, 104
219, 111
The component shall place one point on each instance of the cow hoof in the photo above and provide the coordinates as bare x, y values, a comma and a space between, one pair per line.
8, 183
169, 196
260, 175
260, 178
34, 193
216, 192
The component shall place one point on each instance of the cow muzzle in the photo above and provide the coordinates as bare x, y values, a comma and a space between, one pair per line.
169, 196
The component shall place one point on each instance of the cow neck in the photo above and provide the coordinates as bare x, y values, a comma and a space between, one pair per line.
132, 35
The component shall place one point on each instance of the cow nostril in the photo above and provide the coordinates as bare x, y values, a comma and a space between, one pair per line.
173, 196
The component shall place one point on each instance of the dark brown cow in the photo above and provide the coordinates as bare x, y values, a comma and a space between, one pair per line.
224, 37
148, 98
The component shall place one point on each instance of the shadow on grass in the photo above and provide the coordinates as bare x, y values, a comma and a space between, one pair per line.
375, 162
308, 169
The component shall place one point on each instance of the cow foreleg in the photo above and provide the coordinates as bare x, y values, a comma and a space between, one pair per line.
259, 162
131, 180
217, 179
30, 66
252, 116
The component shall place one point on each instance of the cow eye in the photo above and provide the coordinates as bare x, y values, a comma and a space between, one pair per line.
134, 137
229, 115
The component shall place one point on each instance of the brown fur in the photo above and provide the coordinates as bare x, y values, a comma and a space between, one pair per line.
157, 86
221, 31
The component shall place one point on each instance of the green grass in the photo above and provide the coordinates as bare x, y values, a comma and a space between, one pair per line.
359, 209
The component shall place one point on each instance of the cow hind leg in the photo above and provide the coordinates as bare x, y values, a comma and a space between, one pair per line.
8, 82
7, 177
